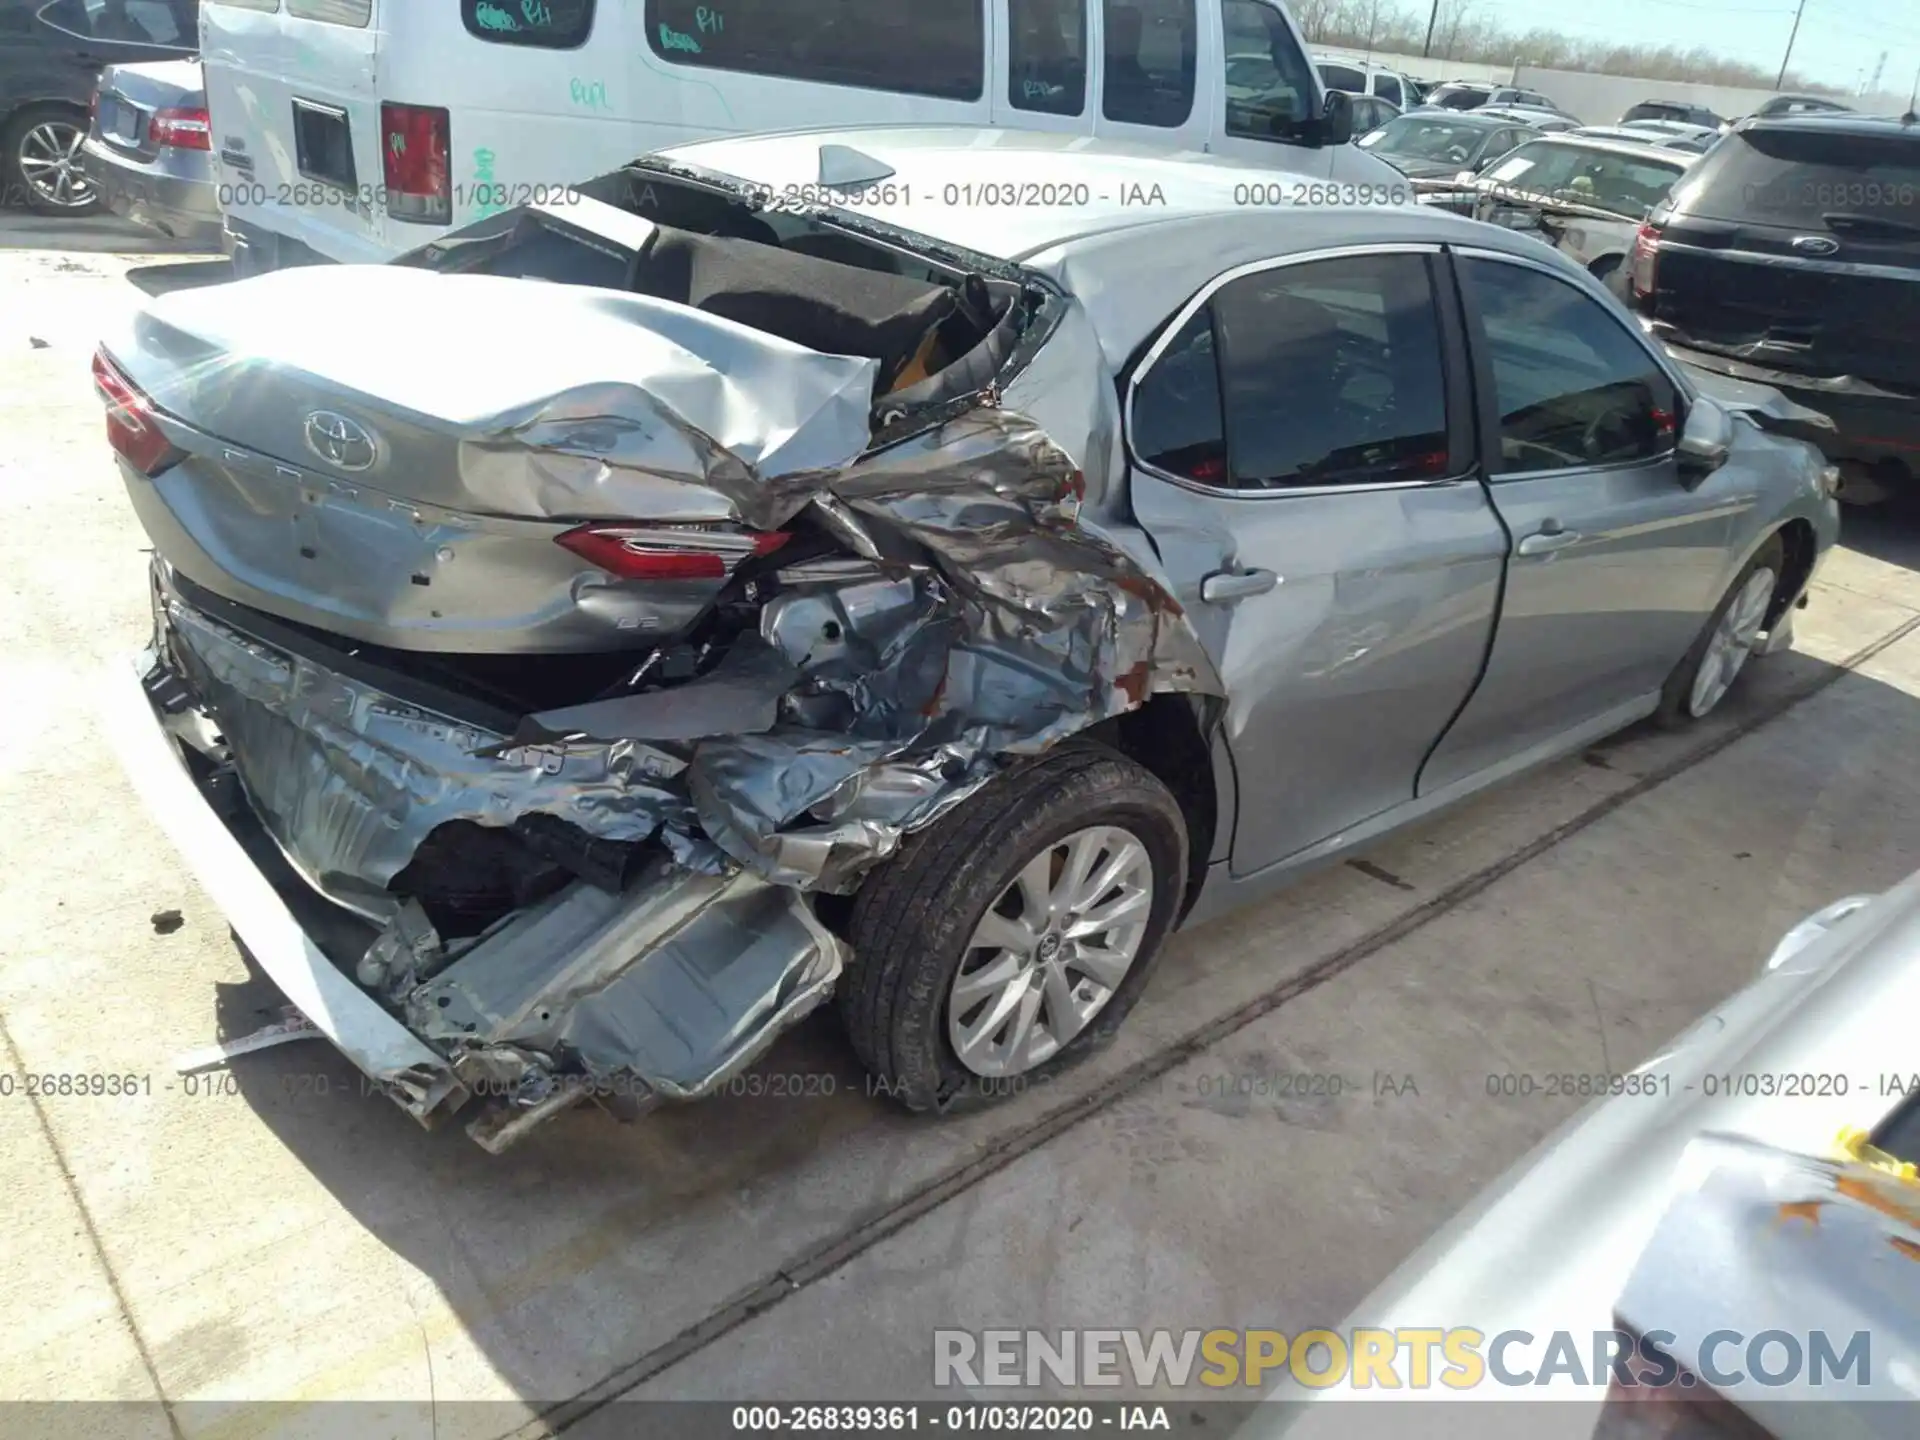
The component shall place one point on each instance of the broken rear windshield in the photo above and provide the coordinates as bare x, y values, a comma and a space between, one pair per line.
1798, 177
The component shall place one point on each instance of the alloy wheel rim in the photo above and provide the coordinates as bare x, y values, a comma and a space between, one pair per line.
1051, 951
1733, 641
50, 164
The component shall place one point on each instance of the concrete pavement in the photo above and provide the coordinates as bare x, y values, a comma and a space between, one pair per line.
275, 1235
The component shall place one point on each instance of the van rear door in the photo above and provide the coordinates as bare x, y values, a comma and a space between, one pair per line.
296, 120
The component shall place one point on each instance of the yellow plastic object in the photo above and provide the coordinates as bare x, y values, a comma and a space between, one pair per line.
1852, 1145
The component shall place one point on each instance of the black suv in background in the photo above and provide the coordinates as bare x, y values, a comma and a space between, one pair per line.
50, 52
1790, 255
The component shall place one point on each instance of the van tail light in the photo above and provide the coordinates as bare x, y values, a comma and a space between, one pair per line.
669, 552
184, 128
132, 429
1645, 260
414, 155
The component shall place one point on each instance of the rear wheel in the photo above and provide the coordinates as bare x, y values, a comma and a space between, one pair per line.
1009, 941
42, 149
1704, 675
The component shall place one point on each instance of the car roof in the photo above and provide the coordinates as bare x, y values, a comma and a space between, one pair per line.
1838, 121
1111, 255
1480, 117
1632, 149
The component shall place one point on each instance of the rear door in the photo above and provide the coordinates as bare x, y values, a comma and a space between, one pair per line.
1798, 248
296, 119
1615, 564
1301, 455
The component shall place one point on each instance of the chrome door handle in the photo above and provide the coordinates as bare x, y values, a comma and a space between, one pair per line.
1545, 542
1225, 586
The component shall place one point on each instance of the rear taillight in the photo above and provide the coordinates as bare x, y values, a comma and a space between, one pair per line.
132, 429
1645, 260
414, 149
669, 552
181, 127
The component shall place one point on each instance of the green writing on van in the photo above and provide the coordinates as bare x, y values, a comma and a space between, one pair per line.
710, 21
590, 93
671, 39
491, 17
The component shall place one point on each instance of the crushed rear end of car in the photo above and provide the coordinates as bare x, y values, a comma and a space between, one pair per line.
530, 657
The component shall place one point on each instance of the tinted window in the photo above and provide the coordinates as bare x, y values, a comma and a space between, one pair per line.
554, 24
933, 47
1332, 374
1150, 46
127, 22
1452, 97
1270, 94
1177, 421
1573, 387
1047, 56
1342, 77
1587, 175
1799, 178
1387, 87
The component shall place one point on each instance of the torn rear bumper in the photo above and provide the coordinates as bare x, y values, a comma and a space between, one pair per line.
663, 990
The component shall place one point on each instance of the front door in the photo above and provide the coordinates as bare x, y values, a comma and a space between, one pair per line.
1268, 102
1301, 455
1615, 563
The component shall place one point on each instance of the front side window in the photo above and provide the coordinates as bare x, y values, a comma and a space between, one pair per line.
936, 48
1270, 94
547, 24
1047, 56
1150, 47
1332, 373
1573, 387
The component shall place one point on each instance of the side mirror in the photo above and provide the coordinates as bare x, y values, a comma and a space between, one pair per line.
1704, 441
1336, 118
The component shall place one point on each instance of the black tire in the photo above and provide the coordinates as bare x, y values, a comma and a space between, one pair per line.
911, 920
1673, 713
13, 136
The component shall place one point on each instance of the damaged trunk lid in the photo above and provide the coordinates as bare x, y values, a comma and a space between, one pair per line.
471, 463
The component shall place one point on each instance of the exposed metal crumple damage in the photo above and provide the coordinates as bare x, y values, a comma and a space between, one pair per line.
979, 615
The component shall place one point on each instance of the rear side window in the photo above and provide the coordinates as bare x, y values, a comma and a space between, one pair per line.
1387, 87
550, 24
1333, 374
1047, 56
1150, 48
1177, 421
931, 47
334, 12
1343, 77
1802, 177
1573, 388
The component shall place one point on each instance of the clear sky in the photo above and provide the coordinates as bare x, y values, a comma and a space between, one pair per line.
1839, 42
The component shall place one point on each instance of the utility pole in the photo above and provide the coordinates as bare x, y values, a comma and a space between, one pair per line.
1433, 15
1791, 37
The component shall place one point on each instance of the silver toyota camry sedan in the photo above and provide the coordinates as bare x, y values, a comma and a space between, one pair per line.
917, 567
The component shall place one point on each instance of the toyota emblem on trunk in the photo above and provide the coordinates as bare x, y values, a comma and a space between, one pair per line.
343, 443
1815, 244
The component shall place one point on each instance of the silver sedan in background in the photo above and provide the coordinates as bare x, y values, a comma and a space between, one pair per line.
630, 620
149, 150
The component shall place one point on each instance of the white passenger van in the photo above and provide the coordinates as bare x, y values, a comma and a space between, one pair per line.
356, 129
